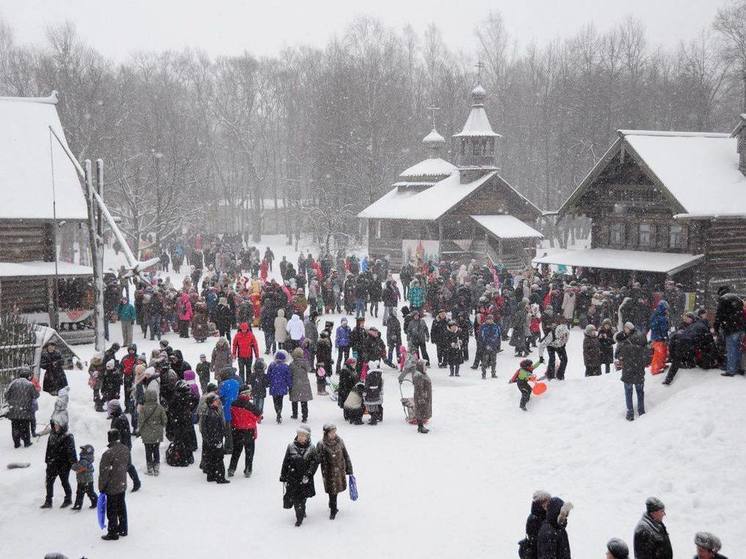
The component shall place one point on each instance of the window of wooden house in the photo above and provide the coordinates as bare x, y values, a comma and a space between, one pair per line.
645, 234
617, 234
676, 236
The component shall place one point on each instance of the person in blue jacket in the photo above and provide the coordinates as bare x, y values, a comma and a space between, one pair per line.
342, 343
228, 392
127, 316
659, 326
280, 380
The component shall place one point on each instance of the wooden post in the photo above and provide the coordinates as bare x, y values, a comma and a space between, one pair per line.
94, 226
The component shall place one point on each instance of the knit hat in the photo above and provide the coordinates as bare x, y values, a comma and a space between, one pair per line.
303, 428
617, 548
653, 504
202, 356
329, 427
590, 329
280, 356
344, 321
113, 406
629, 326
708, 541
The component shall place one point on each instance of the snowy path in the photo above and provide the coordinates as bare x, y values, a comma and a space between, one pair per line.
462, 490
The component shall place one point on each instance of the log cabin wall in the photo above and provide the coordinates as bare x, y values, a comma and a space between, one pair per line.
25, 241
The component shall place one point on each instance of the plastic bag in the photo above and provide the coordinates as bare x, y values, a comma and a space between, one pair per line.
101, 510
353, 488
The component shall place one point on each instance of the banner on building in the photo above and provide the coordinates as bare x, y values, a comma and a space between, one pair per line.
415, 250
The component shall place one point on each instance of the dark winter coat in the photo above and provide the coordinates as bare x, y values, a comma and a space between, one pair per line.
373, 349
423, 396
212, 428
393, 331
111, 384
300, 462
54, 373
651, 540
634, 356
659, 323
552, 541
438, 332
533, 525
258, 379
122, 424
152, 419
180, 428
357, 337
591, 352
606, 340
417, 331
490, 335
60, 454
347, 379
20, 396
112, 470
224, 317
373, 394
729, 315
335, 464
324, 353
452, 344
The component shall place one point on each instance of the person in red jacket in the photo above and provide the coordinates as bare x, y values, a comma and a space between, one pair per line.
128, 373
245, 348
244, 419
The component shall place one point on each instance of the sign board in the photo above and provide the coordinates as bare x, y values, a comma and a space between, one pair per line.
414, 250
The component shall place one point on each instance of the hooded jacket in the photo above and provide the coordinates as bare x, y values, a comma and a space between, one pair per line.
552, 541
295, 328
244, 343
152, 420
281, 325
659, 323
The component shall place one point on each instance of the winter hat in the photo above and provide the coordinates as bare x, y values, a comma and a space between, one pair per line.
86, 448
113, 436
202, 356
606, 321
526, 363
344, 322
617, 548
590, 329
281, 356
329, 427
113, 406
653, 504
629, 326
211, 387
351, 362
540, 496
708, 541
303, 428
111, 364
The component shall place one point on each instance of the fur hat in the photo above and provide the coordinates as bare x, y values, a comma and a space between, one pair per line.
707, 541
303, 428
653, 504
590, 330
629, 326
113, 406
617, 548
329, 427
541, 496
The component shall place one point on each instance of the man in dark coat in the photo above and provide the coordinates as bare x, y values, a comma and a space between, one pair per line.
120, 422
438, 336
212, 428
534, 521
20, 395
112, 481
633, 356
298, 468
54, 372
651, 536
417, 336
552, 541
730, 325
393, 337
60, 457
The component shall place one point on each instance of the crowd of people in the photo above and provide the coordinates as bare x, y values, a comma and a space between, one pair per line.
547, 538
228, 294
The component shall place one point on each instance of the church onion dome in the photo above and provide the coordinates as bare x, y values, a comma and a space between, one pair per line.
433, 139
478, 95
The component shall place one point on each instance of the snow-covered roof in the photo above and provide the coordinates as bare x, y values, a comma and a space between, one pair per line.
477, 124
699, 170
612, 259
433, 167
41, 269
433, 138
428, 204
26, 164
507, 227
685, 165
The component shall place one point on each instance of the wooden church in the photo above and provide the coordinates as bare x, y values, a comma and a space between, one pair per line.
440, 211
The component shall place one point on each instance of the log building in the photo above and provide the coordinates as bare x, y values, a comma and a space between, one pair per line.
665, 204
441, 211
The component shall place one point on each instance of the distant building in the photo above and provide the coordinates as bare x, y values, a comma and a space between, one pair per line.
665, 204
441, 211
42, 212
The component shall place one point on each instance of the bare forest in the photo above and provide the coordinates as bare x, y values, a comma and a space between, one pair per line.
319, 133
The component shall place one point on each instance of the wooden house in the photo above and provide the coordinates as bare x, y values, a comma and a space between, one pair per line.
440, 211
43, 213
665, 204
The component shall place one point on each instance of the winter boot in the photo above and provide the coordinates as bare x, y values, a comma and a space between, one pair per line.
523, 407
231, 473
150, 470
279, 418
94, 504
630, 415
247, 473
77, 506
333, 514
47, 504
156, 469
67, 502
422, 429
640, 412
110, 537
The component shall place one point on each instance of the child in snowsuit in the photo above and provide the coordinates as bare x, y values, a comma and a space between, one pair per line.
521, 378
84, 469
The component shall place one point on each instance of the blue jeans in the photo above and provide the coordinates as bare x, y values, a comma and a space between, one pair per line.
155, 326
733, 352
259, 401
360, 308
628, 387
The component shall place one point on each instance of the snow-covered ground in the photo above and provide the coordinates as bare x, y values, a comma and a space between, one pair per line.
461, 491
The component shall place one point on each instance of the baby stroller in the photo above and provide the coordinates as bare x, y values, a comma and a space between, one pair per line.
407, 402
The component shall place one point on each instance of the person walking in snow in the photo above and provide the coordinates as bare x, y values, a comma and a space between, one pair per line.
112, 481
245, 349
453, 348
59, 457
606, 342
280, 380
152, 426
120, 422
552, 541
423, 396
522, 377
651, 536
555, 343
296, 330
633, 356
300, 385
342, 343
591, 351
84, 469
126, 315
489, 334
335, 464
20, 396
245, 417
659, 326
213, 428
297, 472
528, 546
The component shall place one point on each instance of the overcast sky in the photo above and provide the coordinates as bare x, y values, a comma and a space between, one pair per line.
119, 27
